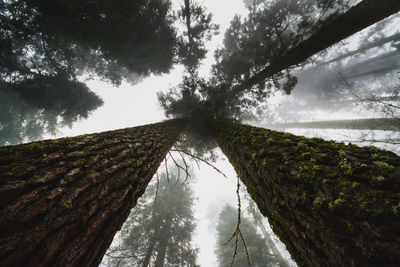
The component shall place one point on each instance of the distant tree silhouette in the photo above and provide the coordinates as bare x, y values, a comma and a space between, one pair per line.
159, 230
256, 245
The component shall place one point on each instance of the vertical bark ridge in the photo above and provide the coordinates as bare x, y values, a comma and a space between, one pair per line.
331, 204
62, 201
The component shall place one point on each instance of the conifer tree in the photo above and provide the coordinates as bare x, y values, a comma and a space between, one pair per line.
159, 229
255, 244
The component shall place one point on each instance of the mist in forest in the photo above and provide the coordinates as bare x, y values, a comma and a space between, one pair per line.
62, 62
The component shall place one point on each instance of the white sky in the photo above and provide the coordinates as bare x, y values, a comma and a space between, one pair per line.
128, 106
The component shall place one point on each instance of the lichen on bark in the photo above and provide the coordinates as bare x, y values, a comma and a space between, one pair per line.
331, 204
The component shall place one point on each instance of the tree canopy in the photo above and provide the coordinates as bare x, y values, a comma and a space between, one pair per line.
259, 52
49, 47
39, 105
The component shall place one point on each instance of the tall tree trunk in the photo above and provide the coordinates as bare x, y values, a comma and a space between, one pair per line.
164, 236
331, 204
188, 22
149, 252
378, 65
156, 231
363, 48
362, 15
392, 124
63, 200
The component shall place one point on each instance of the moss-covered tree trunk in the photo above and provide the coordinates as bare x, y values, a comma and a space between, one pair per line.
62, 201
331, 204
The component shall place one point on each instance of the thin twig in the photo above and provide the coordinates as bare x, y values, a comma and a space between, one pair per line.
237, 231
200, 159
158, 183
245, 247
186, 165
186, 169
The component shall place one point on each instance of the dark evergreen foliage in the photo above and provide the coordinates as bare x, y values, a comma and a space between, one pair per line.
199, 28
35, 106
271, 29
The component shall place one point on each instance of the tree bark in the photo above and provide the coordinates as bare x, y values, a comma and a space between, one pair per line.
331, 204
391, 124
364, 14
63, 200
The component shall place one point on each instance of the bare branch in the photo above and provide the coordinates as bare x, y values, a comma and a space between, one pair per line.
237, 231
245, 247
200, 159
186, 169
158, 184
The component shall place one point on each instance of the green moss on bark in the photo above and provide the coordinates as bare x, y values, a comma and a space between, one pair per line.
331, 204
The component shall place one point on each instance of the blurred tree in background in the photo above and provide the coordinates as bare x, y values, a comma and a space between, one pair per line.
159, 229
255, 243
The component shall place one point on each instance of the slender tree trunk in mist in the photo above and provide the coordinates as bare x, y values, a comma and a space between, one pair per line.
357, 18
163, 243
331, 204
149, 252
188, 22
391, 124
271, 244
362, 49
63, 200
156, 231
378, 65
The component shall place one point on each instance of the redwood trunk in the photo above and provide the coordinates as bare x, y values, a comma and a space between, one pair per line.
331, 204
357, 18
63, 200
